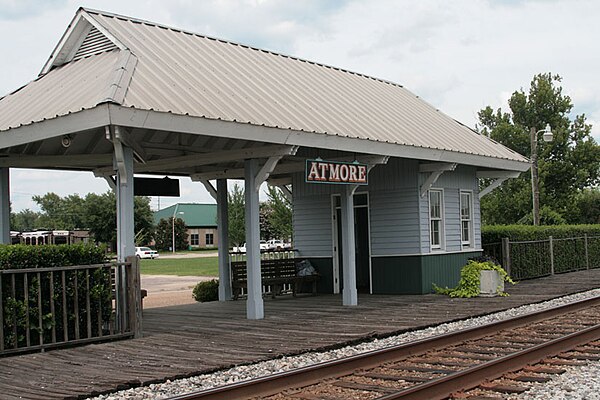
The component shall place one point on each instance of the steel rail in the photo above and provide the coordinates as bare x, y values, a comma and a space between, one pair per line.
305, 376
469, 378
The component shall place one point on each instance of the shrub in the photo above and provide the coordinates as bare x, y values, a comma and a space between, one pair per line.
21, 306
495, 233
206, 291
468, 286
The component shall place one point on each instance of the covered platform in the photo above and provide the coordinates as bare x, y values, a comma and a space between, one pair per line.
188, 340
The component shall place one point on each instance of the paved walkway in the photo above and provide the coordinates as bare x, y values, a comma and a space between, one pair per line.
190, 339
170, 290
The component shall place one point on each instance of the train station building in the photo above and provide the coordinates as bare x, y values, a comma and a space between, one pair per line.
385, 188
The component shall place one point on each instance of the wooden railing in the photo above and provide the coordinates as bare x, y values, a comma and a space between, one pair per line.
43, 308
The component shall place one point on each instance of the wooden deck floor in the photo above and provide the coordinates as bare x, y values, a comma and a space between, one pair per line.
186, 340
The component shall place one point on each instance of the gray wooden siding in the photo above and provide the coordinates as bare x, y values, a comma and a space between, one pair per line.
463, 178
394, 222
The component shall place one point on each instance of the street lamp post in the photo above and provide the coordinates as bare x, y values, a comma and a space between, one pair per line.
173, 225
535, 188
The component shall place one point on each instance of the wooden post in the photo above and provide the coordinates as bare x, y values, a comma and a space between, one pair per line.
551, 256
587, 254
506, 255
4, 206
254, 302
134, 296
223, 243
349, 292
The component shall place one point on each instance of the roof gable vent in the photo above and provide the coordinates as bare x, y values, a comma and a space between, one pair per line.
95, 42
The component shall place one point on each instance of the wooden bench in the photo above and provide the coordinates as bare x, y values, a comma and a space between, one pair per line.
275, 273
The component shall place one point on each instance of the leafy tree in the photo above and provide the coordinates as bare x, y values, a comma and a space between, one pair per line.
567, 165
586, 209
25, 220
236, 215
280, 217
100, 212
164, 234
61, 212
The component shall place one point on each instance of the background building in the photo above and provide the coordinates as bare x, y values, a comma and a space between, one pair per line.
200, 220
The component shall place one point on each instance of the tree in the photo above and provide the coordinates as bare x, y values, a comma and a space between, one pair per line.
25, 220
236, 216
567, 165
164, 234
280, 217
100, 212
61, 212
586, 209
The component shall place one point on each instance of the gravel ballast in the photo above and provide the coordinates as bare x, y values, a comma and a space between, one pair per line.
576, 383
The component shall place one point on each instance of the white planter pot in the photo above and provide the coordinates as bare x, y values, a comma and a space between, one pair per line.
490, 283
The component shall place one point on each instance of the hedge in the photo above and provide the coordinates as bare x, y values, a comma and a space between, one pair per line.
19, 313
495, 233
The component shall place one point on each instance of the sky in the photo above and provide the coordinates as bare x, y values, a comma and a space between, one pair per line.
460, 56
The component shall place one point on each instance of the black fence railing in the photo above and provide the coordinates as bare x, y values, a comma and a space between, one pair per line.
537, 258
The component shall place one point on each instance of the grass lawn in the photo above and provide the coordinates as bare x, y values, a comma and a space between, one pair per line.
207, 266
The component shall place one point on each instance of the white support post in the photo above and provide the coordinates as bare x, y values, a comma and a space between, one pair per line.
349, 293
124, 194
254, 303
223, 228
4, 206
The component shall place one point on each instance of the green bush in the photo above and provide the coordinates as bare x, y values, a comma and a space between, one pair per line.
22, 307
206, 291
468, 286
495, 233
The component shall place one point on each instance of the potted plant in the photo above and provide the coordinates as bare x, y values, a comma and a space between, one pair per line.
479, 278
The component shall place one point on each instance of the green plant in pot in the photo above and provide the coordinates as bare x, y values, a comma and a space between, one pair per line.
470, 280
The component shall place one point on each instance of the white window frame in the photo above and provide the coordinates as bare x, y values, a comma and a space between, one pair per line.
466, 243
442, 236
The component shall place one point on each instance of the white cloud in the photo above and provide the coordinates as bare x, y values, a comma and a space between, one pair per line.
460, 56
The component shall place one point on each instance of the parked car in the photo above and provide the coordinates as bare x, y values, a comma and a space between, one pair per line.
278, 244
242, 249
146, 252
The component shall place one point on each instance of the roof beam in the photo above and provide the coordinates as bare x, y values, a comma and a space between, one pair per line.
496, 174
235, 130
212, 158
210, 188
78, 160
494, 185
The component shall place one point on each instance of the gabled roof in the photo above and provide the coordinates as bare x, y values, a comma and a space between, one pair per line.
193, 214
108, 58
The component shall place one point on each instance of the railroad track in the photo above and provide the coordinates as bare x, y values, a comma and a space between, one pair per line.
476, 362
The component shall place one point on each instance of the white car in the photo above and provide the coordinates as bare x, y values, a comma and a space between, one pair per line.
146, 252
242, 249
278, 244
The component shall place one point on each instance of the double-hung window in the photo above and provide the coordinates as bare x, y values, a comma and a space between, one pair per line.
194, 239
210, 239
436, 218
466, 219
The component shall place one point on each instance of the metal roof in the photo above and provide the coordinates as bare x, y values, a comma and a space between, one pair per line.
183, 73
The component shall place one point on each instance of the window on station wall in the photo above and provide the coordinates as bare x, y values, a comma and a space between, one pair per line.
436, 218
466, 218
194, 239
210, 239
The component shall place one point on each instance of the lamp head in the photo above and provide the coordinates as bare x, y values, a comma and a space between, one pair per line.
547, 136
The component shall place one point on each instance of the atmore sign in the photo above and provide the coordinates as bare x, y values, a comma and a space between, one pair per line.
349, 173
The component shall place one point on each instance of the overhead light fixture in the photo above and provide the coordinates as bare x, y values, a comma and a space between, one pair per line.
66, 141
547, 136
